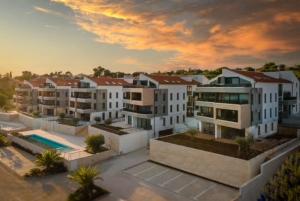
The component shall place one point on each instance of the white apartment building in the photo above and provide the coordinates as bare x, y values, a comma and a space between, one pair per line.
155, 103
97, 99
26, 95
289, 102
53, 96
239, 103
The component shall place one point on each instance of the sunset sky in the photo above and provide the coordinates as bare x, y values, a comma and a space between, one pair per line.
134, 35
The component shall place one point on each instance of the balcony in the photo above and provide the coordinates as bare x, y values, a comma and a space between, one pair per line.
206, 114
139, 96
138, 112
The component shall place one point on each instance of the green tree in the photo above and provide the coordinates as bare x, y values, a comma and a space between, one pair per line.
49, 160
285, 185
99, 71
94, 143
85, 177
3, 100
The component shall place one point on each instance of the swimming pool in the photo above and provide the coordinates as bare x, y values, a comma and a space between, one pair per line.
48, 144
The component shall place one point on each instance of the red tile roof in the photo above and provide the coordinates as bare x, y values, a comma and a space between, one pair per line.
260, 77
65, 82
108, 81
164, 79
37, 82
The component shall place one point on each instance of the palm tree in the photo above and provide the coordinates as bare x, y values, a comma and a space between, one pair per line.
85, 177
49, 160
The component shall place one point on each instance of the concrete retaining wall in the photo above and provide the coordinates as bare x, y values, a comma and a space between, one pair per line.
122, 144
4, 116
88, 160
23, 143
225, 169
251, 190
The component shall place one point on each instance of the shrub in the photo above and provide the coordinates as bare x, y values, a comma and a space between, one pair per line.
108, 121
192, 132
50, 160
3, 140
36, 114
62, 115
34, 172
284, 186
85, 177
244, 145
94, 143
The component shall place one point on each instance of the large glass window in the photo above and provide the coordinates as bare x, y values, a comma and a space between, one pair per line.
206, 111
233, 98
228, 115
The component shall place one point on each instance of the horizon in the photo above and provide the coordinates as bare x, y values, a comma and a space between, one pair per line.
77, 36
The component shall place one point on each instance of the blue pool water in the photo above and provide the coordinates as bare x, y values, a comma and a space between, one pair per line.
49, 143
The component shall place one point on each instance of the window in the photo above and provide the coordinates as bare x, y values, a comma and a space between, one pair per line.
155, 109
95, 106
258, 130
67, 94
171, 120
251, 116
272, 126
164, 97
103, 95
259, 116
117, 114
275, 111
177, 96
265, 113
110, 95
177, 107
164, 121
259, 98
171, 108
252, 99
103, 116
270, 112
183, 107
155, 97
275, 97
164, 109
171, 96
57, 94
183, 118
270, 97
266, 128
117, 104
95, 96
183, 96
109, 104
117, 95
265, 98
103, 106
177, 119
109, 114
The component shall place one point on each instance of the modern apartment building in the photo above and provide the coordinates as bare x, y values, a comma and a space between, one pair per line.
194, 81
155, 103
26, 95
97, 99
239, 103
289, 99
53, 96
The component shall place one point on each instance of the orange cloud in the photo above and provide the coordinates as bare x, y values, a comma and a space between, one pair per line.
146, 28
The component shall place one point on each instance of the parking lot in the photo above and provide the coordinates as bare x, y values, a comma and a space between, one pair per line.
183, 184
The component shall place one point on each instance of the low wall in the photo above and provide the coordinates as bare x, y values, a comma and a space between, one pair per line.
23, 143
225, 169
6, 116
252, 189
122, 144
34, 123
88, 160
60, 128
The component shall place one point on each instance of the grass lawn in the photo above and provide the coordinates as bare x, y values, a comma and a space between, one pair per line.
208, 145
112, 129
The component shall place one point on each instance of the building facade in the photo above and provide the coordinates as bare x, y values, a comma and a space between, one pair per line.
155, 103
239, 103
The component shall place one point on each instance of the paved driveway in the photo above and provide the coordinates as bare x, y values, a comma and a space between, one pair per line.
183, 184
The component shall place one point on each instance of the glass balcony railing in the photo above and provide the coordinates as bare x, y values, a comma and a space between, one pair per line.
138, 111
205, 114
